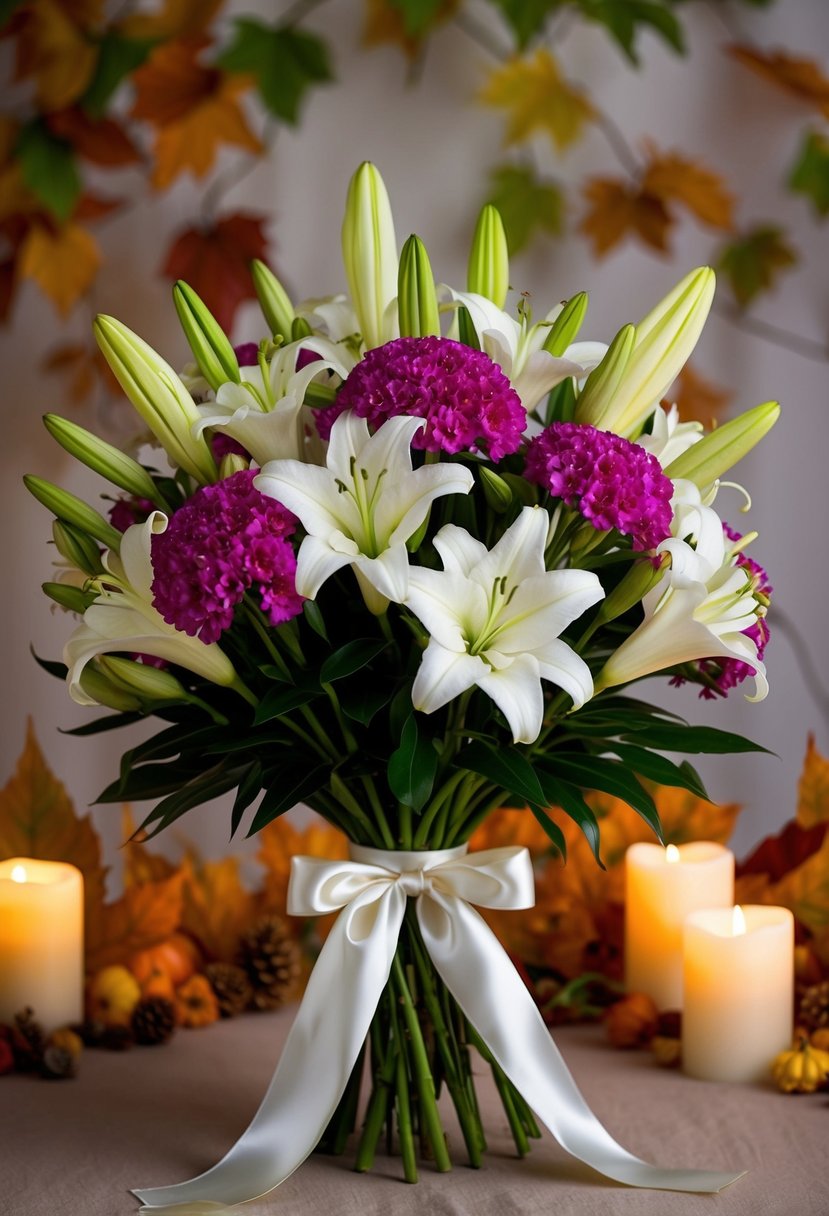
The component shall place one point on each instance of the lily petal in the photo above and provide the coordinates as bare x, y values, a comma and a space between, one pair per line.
443, 675
516, 690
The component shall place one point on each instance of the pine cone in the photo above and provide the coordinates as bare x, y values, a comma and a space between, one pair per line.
814, 1006
58, 1063
28, 1041
232, 987
153, 1021
270, 956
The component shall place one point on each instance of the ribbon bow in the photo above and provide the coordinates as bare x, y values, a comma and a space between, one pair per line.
343, 993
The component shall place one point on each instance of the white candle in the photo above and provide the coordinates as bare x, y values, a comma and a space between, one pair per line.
41, 941
662, 886
739, 991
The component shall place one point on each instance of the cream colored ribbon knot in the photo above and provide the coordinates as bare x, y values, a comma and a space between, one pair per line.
371, 890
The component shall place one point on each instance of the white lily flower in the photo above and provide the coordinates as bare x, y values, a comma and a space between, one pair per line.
697, 540
516, 346
267, 415
669, 437
495, 617
123, 619
363, 506
697, 620
332, 316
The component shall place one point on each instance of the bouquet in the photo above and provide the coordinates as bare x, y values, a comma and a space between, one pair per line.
401, 560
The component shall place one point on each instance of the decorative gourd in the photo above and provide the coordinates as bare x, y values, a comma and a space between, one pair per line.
802, 1070
196, 1003
632, 1021
178, 956
112, 995
158, 984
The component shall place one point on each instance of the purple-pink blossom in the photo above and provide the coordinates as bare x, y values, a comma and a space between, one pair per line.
611, 482
129, 510
466, 399
227, 539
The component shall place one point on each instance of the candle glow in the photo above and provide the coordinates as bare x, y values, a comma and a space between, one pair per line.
18, 874
672, 854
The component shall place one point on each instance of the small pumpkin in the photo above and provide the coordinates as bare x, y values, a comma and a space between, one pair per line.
196, 1002
158, 984
801, 1070
632, 1021
66, 1040
178, 956
112, 995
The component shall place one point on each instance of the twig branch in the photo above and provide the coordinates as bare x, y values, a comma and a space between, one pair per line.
299, 10
804, 659
809, 348
619, 144
233, 176
477, 32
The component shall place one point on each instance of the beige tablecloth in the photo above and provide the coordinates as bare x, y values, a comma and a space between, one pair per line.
152, 1116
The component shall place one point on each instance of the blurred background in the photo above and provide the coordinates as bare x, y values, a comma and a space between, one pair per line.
625, 143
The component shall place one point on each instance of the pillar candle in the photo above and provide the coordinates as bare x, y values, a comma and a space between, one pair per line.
662, 886
41, 941
739, 991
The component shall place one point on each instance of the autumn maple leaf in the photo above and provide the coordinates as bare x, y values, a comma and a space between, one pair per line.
617, 209
800, 78
52, 47
194, 109
101, 141
215, 261
672, 177
63, 262
538, 98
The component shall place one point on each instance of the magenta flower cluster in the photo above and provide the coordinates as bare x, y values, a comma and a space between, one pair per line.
228, 538
613, 483
466, 399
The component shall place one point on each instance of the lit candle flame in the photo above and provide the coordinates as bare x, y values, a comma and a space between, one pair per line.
18, 874
738, 921
672, 853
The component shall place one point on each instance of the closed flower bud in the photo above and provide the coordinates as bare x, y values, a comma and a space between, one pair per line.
496, 491
566, 325
102, 457
69, 597
73, 510
603, 386
417, 300
274, 301
232, 462
102, 691
488, 271
77, 548
142, 680
370, 254
720, 450
209, 343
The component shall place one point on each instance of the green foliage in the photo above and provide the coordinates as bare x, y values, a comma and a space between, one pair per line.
118, 57
527, 18
419, 16
412, 767
752, 263
623, 20
810, 173
527, 203
49, 169
286, 63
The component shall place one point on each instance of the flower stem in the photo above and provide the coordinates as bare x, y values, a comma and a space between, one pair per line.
423, 1075
384, 1064
404, 1110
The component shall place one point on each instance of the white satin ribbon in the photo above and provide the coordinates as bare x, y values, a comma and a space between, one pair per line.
343, 992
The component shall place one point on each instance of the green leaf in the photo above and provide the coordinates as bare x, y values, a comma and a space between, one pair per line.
419, 16
49, 170
98, 725
569, 798
610, 776
622, 19
561, 403
294, 786
527, 204
362, 700
412, 767
54, 669
552, 829
753, 262
312, 614
117, 58
350, 658
286, 63
200, 788
150, 781
249, 787
527, 18
507, 769
660, 768
810, 174
703, 740
278, 701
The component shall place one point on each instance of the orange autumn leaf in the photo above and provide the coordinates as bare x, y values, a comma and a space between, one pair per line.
63, 263
538, 98
140, 863
805, 890
672, 177
102, 141
279, 841
37, 819
813, 788
800, 78
193, 108
698, 399
173, 19
53, 48
215, 260
217, 909
145, 915
617, 209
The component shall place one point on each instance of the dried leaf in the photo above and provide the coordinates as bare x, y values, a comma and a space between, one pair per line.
37, 819
673, 177
700, 400
279, 841
526, 203
215, 262
63, 263
813, 788
776, 856
217, 909
140, 865
538, 98
145, 915
193, 108
805, 890
174, 19
617, 209
52, 48
801, 78
753, 262
810, 174
102, 141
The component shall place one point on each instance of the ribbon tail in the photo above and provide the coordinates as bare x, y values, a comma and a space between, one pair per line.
476, 970
316, 1062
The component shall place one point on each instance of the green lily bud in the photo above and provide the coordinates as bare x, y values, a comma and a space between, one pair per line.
158, 395
78, 548
209, 343
274, 301
232, 462
488, 270
566, 325
641, 578
496, 491
524, 491
720, 450
142, 680
73, 510
595, 401
370, 254
96, 685
417, 300
69, 597
300, 329
103, 458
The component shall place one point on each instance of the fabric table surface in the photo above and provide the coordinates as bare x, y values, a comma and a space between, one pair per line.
152, 1116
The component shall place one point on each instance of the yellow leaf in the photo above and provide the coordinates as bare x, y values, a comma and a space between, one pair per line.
538, 98
63, 263
37, 819
617, 209
698, 399
805, 890
801, 78
217, 909
52, 47
145, 915
675, 178
140, 865
813, 788
174, 19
